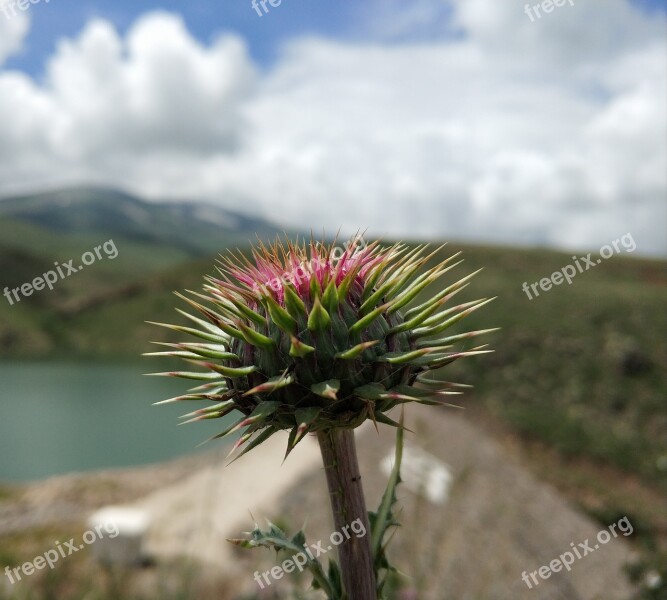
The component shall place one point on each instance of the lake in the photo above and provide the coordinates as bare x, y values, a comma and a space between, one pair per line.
57, 418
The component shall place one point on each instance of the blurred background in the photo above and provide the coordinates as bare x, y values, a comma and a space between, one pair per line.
140, 139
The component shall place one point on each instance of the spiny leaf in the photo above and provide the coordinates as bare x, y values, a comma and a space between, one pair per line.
276, 539
440, 317
260, 413
294, 304
299, 349
306, 416
326, 389
424, 331
435, 362
315, 288
264, 435
187, 397
318, 319
370, 391
186, 375
437, 383
355, 351
280, 316
367, 320
228, 371
254, 337
399, 358
418, 285
210, 415
330, 297
441, 294
273, 384
383, 517
382, 418
228, 405
211, 337
455, 338
218, 351
211, 325
422, 316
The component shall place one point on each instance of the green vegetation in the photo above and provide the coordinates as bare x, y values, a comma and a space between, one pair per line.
578, 377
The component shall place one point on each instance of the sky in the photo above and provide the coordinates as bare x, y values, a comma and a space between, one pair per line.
473, 120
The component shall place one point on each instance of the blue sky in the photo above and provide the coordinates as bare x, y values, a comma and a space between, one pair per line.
206, 19
462, 119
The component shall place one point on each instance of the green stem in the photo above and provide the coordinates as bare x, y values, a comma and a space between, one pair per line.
346, 494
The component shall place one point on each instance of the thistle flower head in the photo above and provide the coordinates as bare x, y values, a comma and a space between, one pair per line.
305, 337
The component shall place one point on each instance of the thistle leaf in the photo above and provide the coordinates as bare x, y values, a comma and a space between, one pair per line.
298, 349
399, 358
318, 319
219, 338
281, 317
384, 518
228, 405
455, 338
424, 331
355, 351
254, 337
273, 384
229, 371
263, 435
330, 297
210, 351
294, 304
326, 389
187, 375
461, 283
367, 320
371, 391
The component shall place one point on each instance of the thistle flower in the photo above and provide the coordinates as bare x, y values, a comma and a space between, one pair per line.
303, 340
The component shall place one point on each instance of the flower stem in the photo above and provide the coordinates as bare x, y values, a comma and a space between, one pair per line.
346, 494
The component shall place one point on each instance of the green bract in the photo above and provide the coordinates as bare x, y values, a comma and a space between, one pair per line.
303, 339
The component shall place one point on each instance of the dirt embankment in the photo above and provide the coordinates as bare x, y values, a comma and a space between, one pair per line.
473, 519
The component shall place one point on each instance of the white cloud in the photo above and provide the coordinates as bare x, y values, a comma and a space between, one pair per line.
111, 106
13, 29
550, 131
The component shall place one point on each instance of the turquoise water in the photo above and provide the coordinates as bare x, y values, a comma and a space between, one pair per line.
59, 418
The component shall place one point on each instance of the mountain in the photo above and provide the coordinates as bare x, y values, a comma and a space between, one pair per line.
135, 240
84, 215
